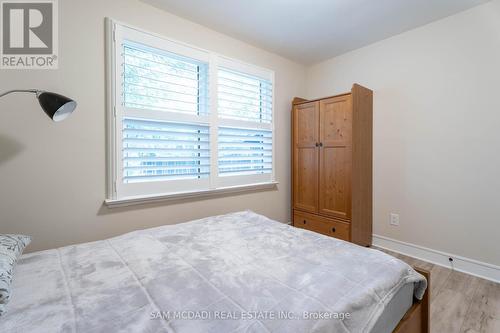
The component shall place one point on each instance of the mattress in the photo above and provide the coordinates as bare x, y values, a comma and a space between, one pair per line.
239, 272
395, 310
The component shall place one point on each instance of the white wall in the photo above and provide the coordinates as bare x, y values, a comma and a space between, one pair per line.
52, 176
436, 130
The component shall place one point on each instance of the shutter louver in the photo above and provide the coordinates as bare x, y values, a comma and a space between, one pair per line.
244, 151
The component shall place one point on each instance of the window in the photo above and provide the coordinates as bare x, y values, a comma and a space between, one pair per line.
184, 120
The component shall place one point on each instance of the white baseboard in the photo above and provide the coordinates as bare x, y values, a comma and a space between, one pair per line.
462, 264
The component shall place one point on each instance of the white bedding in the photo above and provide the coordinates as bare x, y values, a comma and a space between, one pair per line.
239, 272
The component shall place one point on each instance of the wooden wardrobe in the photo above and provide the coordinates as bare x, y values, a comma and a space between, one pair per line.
332, 165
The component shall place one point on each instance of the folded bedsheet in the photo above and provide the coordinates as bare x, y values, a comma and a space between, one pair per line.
240, 272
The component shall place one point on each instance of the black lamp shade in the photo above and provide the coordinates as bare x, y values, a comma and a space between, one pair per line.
56, 106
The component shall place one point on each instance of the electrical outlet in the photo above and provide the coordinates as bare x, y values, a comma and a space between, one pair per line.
394, 219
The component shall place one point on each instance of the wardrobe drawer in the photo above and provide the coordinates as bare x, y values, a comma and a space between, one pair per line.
321, 225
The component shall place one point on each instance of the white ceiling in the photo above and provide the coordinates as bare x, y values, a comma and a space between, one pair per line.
309, 31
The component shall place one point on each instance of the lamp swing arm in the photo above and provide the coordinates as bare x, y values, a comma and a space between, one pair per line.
34, 91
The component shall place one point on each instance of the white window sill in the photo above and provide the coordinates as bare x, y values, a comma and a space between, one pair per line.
138, 200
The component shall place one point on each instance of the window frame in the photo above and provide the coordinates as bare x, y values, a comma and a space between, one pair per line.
118, 193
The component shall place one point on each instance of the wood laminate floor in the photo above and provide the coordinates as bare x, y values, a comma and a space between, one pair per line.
460, 303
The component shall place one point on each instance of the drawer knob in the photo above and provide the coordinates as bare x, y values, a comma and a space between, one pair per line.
304, 222
333, 229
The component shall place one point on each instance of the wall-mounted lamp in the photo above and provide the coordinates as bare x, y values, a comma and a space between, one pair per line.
56, 106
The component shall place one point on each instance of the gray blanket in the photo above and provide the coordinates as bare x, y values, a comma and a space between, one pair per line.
239, 272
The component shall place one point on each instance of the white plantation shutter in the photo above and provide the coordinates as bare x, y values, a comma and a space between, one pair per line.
245, 137
244, 151
184, 120
157, 80
165, 134
156, 151
244, 97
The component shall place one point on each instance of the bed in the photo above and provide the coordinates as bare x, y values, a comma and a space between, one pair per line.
239, 272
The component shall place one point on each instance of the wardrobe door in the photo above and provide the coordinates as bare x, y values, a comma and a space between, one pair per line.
305, 156
335, 157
